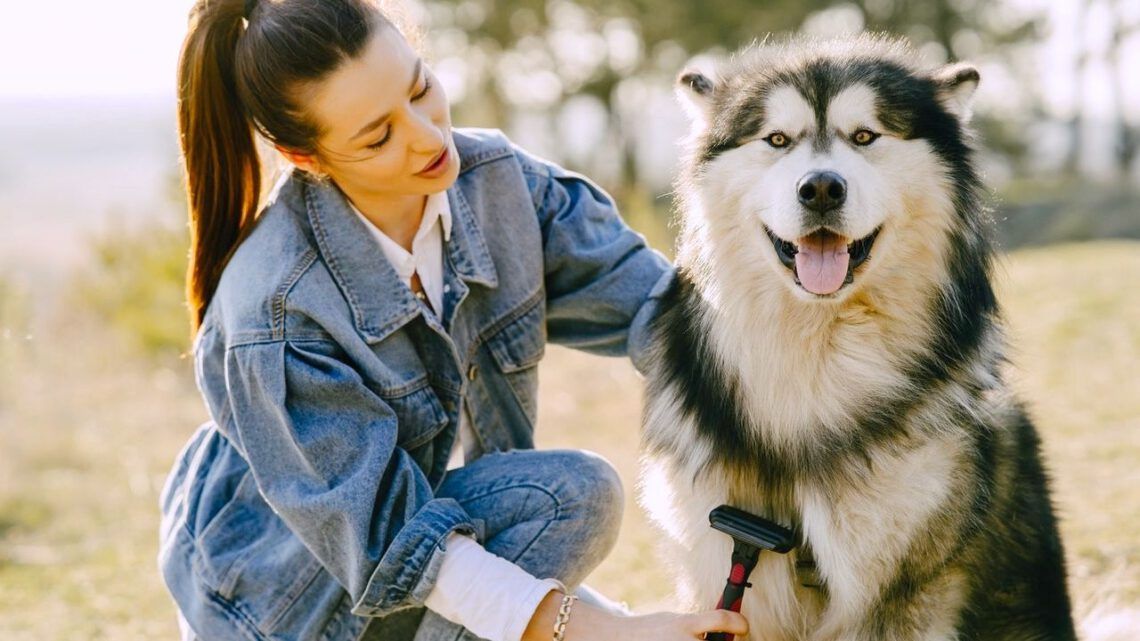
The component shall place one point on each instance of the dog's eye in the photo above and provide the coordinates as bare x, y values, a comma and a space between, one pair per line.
864, 137
777, 140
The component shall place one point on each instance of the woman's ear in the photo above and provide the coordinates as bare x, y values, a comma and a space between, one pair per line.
955, 85
305, 162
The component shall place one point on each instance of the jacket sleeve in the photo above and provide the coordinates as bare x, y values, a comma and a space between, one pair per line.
322, 448
603, 282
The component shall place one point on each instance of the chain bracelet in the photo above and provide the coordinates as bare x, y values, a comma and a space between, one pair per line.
563, 616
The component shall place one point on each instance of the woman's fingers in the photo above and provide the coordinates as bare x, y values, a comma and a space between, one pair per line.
720, 621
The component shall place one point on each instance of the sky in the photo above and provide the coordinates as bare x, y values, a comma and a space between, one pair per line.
118, 51
96, 48
100, 48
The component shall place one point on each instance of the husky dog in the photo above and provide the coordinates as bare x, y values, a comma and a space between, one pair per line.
829, 358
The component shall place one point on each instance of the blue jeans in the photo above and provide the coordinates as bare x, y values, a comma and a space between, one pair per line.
554, 513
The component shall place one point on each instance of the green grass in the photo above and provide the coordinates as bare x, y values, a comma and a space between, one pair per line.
88, 429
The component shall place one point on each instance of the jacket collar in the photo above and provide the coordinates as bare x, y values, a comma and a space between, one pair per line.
380, 303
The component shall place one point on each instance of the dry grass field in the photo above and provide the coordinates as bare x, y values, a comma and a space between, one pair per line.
88, 430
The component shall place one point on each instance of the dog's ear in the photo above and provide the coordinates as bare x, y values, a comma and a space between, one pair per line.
694, 88
955, 84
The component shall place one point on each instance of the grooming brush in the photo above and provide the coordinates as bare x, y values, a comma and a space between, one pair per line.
750, 535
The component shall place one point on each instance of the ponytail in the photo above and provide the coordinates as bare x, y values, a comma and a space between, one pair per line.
238, 74
223, 177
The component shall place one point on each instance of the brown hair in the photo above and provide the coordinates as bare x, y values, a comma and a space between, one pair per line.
238, 75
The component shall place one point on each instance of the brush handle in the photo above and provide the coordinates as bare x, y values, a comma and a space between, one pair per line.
730, 599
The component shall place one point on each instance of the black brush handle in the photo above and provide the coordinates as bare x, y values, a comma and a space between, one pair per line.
744, 558
733, 592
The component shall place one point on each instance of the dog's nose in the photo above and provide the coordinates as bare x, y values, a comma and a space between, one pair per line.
821, 191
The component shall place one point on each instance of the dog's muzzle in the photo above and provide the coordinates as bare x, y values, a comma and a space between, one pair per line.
823, 261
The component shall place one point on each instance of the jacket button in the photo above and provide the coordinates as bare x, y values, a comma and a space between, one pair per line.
472, 372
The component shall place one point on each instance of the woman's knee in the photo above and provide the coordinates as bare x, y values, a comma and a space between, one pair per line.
591, 493
554, 512
579, 483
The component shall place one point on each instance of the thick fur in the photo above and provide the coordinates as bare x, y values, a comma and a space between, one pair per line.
873, 421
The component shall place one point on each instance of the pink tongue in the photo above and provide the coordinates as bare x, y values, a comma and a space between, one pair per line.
821, 262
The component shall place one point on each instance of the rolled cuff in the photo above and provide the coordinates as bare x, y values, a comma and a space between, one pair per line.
408, 569
485, 593
640, 330
528, 604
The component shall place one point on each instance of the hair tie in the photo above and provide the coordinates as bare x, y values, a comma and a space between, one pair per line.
250, 5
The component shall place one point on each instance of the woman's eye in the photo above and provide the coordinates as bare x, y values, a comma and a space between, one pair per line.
427, 88
777, 140
380, 143
864, 137
388, 134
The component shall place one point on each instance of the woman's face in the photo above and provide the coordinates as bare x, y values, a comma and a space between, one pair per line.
385, 123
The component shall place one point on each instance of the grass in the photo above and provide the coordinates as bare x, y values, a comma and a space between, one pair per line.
1075, 337
88, 430
87, 433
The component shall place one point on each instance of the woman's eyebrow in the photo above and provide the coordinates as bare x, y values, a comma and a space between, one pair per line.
382, 119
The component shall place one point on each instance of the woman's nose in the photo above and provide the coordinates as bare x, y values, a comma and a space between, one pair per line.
427, 139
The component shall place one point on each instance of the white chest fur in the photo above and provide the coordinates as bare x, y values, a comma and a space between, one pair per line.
859, 530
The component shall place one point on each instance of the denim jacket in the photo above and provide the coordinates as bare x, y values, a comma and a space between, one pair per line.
306, 503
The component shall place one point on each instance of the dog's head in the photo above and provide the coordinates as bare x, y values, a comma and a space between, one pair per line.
831, 157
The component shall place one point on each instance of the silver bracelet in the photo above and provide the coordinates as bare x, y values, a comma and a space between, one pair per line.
563, 616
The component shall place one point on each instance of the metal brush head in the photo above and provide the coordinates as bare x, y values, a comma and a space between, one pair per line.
751, 529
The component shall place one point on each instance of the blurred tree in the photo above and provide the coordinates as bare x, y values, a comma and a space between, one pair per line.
960, 27
1080, 64
1122, 31
522, 60
136, 282
540, 53
15, 326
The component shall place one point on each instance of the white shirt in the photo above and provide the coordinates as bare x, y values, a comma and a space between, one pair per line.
426, 258
484, 593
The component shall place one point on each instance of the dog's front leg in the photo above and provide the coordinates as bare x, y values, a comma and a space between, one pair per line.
881, 534
903, 611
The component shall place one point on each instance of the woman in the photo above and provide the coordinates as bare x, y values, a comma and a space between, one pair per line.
382, 315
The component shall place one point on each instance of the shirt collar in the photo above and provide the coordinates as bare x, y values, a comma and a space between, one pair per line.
380, 302
436, 209
438, 205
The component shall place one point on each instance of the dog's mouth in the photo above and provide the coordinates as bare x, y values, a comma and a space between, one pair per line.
823, 261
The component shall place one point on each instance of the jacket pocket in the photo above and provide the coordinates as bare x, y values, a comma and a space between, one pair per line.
517, 349
419, 413
521, 344
250, 558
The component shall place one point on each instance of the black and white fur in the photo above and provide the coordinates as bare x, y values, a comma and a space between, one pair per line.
873, 420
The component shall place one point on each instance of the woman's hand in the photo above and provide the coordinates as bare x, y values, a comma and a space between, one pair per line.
589, 623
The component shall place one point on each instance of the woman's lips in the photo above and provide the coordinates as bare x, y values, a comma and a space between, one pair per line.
437, 166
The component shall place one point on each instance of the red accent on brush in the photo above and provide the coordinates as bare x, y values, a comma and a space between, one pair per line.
737, 575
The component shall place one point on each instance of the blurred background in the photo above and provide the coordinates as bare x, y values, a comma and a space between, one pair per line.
96, 396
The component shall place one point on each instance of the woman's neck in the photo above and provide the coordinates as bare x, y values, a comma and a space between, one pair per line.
398, 217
